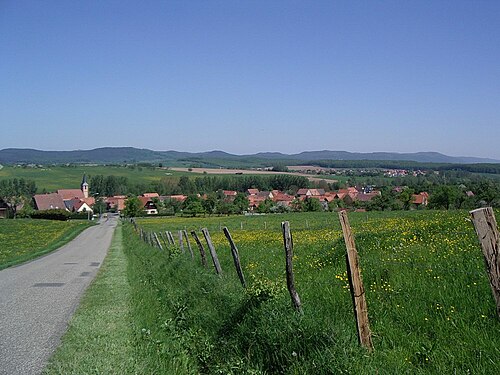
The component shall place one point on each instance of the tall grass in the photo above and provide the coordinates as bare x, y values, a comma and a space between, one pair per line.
429, 301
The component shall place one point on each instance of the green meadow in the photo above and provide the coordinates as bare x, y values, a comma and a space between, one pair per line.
429, 300
25, 239
51, 178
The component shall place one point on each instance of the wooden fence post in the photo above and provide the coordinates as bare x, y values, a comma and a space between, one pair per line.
211, 247
188, 243
181, 242
170, 238
290, 279
200, 246
356, 285
158, 241
486, 228
236, 257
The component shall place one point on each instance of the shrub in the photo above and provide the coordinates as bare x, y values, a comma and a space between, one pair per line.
62, 215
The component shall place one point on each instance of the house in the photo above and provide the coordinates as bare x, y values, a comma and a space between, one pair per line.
4, 209
77, 205
148, 205
178, 197
421, 199
230, 193
282, 199
352, 192
310, 192
116, 202
69, 194
51, 201
252, 191
366, 197
151, 195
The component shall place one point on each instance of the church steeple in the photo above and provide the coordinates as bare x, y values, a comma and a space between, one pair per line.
85, 186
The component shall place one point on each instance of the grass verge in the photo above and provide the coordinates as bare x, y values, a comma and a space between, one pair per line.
99, 339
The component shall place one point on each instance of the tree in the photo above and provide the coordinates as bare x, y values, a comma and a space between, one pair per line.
210, 203
445, 197
172, 206
312, 205
99, 205
16, 191
133, 207
297, 205
240, 203
406, 197
265, 206
192, 205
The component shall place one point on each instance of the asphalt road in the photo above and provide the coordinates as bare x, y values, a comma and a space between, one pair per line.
37, 299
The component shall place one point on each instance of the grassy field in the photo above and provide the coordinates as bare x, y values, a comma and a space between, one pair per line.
25, 239
60, 177
53, 178
430, 305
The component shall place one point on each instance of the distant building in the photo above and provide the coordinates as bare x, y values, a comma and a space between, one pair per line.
74, 200
51, 201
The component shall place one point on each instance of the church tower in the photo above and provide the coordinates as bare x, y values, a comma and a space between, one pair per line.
85, 186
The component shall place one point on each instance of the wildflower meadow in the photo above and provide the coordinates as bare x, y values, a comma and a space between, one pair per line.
429, 300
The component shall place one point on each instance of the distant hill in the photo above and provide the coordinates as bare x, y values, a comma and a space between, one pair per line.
119, 155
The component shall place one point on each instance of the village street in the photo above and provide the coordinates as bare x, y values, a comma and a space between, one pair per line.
37, 299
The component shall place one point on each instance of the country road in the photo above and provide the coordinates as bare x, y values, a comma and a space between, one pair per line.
37, 299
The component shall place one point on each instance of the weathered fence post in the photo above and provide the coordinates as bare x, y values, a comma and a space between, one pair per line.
188, 243
486, 228
200, 246
236, 257
170, 238
290, 279
158, 241
211, 247
356, 285
181, 242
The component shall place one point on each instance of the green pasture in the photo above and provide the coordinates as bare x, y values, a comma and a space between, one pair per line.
429, 300
60, 177
25, 239
160, 312
51, 178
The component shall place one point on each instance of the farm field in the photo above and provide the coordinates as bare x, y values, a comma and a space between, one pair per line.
59, 177
429, 300
25, 239
250, 172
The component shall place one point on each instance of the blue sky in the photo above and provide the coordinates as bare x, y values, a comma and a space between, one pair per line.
250, 76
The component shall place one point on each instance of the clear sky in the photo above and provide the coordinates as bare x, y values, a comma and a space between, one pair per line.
250, 76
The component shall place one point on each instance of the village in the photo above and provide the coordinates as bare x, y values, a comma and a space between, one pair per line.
254, 201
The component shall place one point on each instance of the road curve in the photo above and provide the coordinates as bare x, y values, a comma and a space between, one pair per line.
38, 298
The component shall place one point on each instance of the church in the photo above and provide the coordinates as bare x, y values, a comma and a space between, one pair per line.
73, 200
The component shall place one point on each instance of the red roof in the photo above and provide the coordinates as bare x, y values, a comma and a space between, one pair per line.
151, 195
366, 197
50, 201
420, 198
117, 201
229, 193
252, 191
282, 197
68, 194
